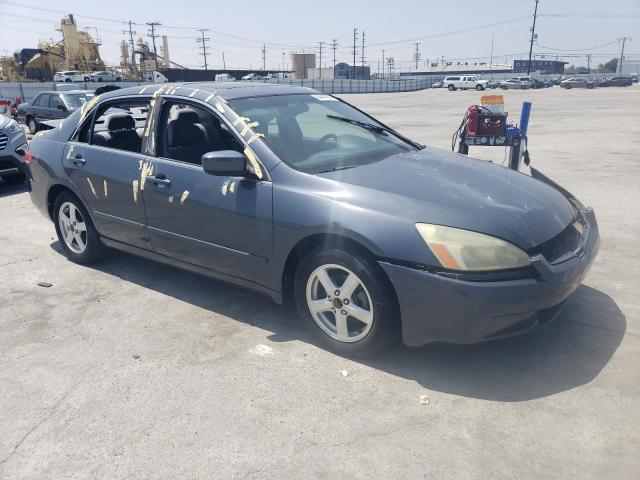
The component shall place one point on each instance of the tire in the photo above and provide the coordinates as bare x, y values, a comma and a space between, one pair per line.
373, 299
67, 80
99, 79
14, 178
32, 124
503, 87
479, 88
523, 87
451, 87
87, 79
590, 87
93, 250
568, 87
118, 79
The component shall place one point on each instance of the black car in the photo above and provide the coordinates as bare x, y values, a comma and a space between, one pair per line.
297, 194
51, 106
616, 82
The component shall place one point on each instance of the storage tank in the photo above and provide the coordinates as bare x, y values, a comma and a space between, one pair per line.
301, 62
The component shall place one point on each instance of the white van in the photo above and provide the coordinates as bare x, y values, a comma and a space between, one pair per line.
225, 77
464, 82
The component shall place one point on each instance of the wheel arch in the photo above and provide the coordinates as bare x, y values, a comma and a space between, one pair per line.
56, 190
326, 240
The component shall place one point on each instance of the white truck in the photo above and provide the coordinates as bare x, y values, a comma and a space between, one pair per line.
154, 77
464, 82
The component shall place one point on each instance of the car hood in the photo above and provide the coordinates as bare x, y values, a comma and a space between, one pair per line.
450, 189
5, 121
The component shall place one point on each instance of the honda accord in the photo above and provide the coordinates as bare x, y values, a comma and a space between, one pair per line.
301, 196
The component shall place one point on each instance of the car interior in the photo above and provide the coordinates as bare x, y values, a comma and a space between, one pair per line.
121, 126
190, 131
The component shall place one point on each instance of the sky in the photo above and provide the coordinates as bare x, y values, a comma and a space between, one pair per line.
460, 30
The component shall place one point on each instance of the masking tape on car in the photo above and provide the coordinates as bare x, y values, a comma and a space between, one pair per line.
253, 160
239, 120
147, 170
184, 196
219, 107
135, 190
248, 126
143, 89
193, 94
105, 188
254, 137
93, 190
209, 97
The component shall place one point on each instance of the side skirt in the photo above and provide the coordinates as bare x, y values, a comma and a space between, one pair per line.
275, 296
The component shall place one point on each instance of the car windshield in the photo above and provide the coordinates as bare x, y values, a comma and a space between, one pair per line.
318, 133
76, 100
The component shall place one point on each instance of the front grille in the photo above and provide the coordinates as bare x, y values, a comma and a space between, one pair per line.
567, 242
3, 141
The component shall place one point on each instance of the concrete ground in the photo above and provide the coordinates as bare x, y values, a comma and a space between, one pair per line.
130, 369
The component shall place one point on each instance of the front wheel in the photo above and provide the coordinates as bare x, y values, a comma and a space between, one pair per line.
479, 88
67, 80
76, 233
346, 301
451, 88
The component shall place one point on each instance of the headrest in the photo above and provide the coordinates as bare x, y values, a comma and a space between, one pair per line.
186, 115
119, 121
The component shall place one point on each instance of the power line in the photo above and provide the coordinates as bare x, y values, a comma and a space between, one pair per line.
533, 37
203, 45
577, 49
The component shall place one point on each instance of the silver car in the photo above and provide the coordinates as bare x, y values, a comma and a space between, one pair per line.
105, 76
13, 148
577, 83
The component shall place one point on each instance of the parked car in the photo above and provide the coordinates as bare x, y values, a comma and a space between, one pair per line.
512, 84
13, 147
616, 82
225, 77
493, 84
71, 76
105, 76
577, 83
253, 77
51, 106
436, 85
299, 195
464, 82
539, 83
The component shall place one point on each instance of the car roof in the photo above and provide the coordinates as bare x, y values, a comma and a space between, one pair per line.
224, 90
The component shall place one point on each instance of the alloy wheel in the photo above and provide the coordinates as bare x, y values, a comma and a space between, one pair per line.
339, 303
33, 126
72, 227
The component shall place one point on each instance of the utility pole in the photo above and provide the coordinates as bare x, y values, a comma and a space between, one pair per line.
491, 58
264, 57
383, 69
283, 56
355, 50
416, 55
224, 64
203, 45
362, 57
533, 34
334, 47
624, 39
320, 45
589, 66
152, 33
131, 33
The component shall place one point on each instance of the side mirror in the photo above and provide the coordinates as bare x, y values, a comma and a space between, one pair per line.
226, 163
61, 107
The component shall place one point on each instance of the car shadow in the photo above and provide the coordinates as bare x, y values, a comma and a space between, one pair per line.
7, 189
569, 352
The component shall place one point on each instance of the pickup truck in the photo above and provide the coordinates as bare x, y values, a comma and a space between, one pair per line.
464, 82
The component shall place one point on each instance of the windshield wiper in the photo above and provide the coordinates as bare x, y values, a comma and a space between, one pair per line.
369, 126
335, 169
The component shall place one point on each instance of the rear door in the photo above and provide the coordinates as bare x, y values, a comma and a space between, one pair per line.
57, 108
218, 222
40, 107
104, 164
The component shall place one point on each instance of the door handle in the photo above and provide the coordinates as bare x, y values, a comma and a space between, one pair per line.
159, 180
78, 160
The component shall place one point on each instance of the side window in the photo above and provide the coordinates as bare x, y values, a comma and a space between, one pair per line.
55, 101
118, 125
42, 100
189, 131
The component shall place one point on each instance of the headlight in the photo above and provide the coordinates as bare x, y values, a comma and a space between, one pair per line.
458, 249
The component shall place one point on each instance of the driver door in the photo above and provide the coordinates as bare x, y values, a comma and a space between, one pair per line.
221, 223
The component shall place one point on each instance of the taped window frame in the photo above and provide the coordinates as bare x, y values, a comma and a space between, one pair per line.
208, 107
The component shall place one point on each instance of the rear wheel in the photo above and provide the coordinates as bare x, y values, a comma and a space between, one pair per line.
346, 301
33, 125
77, 235
479, 87
451, 87
67, 80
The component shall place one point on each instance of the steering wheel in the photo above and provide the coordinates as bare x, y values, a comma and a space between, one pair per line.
327, 137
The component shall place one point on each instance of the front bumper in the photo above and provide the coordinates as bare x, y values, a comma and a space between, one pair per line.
11, 162
437, 308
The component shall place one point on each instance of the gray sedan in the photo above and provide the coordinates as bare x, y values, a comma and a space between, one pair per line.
53, 105
577, 83
300, 196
